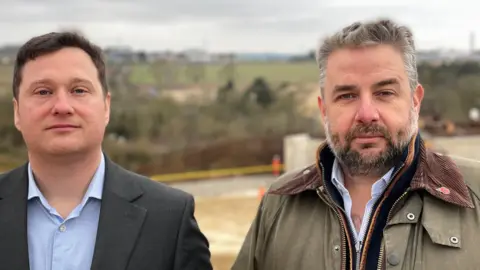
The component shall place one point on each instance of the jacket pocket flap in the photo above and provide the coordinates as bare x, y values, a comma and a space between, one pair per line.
442, 222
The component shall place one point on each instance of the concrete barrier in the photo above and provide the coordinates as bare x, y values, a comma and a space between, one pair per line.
464, 147
299, 150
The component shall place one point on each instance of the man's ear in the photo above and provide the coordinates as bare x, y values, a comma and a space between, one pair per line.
107, 108
16, 115
418, 95
321, 106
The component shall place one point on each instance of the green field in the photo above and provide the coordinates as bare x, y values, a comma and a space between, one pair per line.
214, 74
245, 73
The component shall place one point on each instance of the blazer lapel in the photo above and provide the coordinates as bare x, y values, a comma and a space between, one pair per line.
13, 220
120, 220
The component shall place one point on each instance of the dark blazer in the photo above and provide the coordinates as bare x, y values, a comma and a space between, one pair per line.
143, 224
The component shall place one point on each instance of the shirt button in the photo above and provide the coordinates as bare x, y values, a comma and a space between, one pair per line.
63, 228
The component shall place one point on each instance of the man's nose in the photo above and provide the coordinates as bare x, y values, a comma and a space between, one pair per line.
367, 112
62, 104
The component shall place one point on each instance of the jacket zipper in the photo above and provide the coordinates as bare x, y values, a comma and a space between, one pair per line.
342, 223
358, 247
380, 256
370, 216
359, 241
382, 247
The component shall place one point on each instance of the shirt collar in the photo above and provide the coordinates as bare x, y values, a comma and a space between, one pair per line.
338, 181
95, 188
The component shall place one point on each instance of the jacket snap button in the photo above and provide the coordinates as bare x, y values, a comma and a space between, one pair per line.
454, 240
410, 216
336, 248
307, 171
393, 259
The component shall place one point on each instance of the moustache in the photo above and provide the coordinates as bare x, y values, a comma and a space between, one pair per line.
367, 130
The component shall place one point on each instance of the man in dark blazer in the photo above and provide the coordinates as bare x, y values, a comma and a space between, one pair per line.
70, 206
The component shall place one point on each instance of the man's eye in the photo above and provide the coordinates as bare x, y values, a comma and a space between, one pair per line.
385, 93
79, 91
347, 96
43, 92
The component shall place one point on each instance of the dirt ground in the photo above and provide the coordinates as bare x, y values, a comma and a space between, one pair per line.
225, 221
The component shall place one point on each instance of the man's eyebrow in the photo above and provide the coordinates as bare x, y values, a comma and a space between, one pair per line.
49, 81
80, 80
42, 81
345, 88
385, 82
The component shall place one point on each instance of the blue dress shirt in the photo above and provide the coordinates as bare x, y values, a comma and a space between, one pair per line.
55, 243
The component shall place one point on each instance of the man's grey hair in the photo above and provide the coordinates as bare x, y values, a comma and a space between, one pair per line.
362, 34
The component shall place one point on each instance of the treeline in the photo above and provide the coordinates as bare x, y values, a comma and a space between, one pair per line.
238, 128
452, 89
152, 134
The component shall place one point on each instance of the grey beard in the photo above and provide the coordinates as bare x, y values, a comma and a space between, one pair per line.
356, 165
378, 165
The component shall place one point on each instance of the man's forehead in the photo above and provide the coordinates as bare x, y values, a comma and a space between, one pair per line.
345, 68
366, 60
370, 80
52, 76
64, 59
35, 72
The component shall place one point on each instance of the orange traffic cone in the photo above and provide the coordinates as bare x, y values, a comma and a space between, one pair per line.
276, 165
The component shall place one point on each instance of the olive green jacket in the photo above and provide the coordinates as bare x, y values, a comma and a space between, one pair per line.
436, 225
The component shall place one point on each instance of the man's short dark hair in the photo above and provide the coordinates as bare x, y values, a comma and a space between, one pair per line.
52, 42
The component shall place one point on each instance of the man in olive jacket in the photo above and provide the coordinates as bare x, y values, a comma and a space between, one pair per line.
376, 198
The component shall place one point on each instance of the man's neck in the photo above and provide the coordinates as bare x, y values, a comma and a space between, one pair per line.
64, 177
360, 191
359, 182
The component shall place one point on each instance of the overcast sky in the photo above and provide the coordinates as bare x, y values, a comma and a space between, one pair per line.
234, 25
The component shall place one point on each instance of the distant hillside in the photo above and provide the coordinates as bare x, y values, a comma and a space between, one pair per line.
265, 56
274, 72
